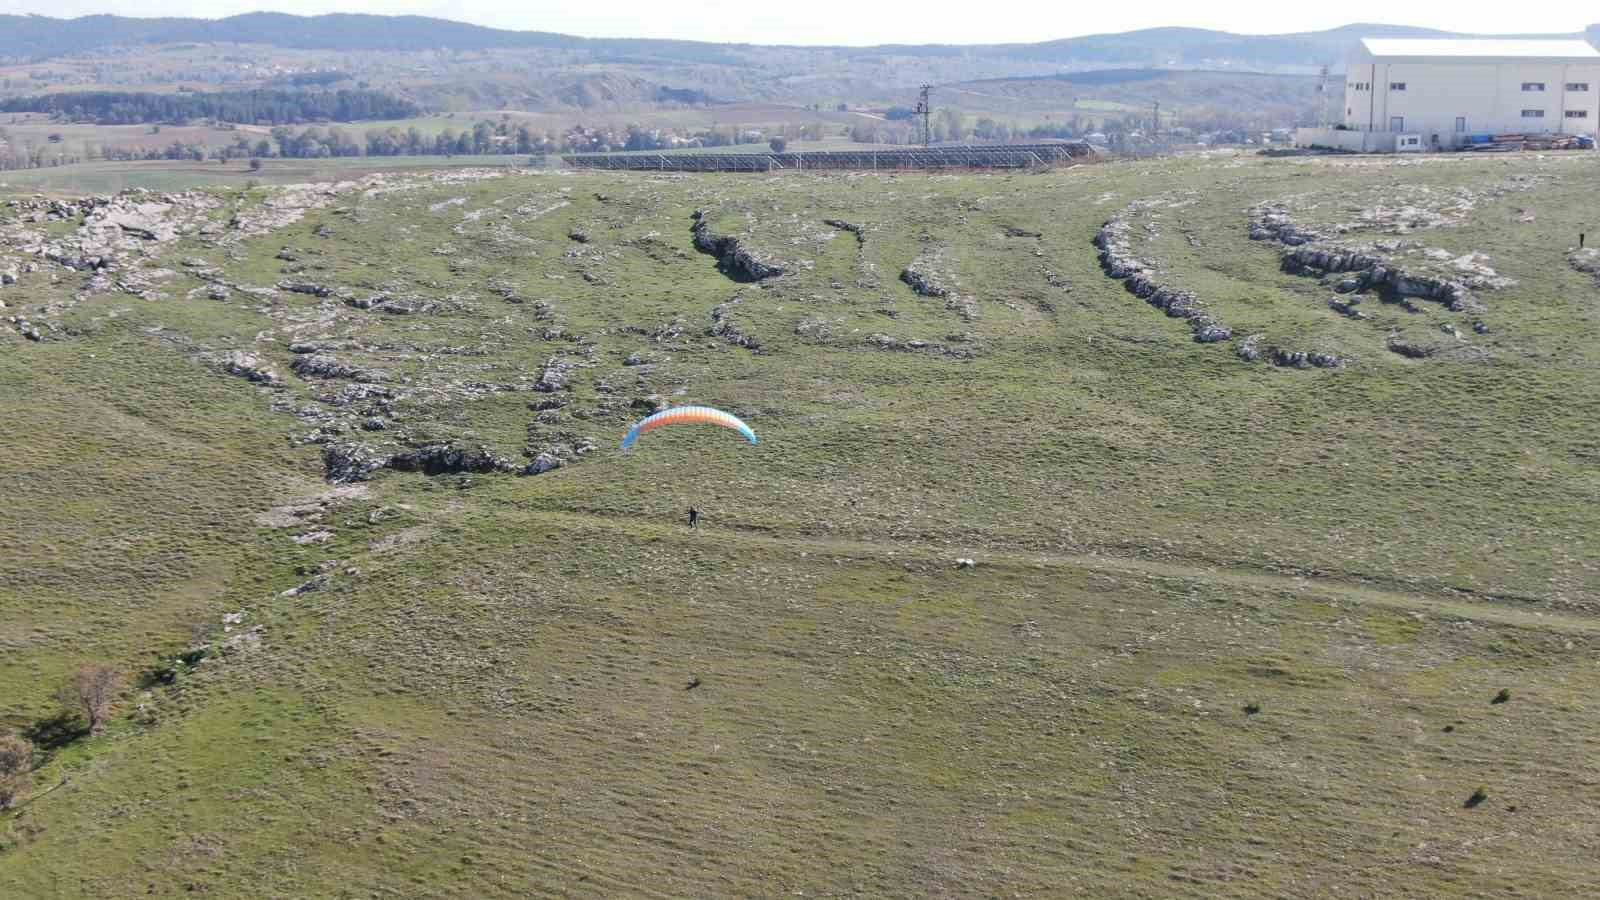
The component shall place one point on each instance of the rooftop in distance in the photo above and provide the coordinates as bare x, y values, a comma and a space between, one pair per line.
1479, 48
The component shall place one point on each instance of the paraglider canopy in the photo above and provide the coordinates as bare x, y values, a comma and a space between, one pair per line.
682, 415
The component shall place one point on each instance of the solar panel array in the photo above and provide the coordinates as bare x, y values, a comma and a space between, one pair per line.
970, 156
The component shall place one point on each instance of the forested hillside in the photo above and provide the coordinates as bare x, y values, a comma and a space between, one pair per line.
245, 107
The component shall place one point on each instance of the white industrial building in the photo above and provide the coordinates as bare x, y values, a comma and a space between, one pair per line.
1419, 94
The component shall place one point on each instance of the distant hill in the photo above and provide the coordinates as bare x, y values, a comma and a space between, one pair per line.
1210, 75
40, 37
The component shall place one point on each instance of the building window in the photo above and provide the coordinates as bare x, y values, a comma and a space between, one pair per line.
1533, 114
1461, 124
1533, 85
1577, 114
1397, 123
1397, 85
1578, 87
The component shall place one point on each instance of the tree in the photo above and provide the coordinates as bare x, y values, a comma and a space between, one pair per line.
778, 144
92, 691
16, 761
255, 164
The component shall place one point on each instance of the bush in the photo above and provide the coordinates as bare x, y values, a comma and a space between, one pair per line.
255, 164
777, 144
16, 761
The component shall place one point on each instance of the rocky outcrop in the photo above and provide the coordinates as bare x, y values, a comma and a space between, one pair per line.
1250, 350
880, 341
395, 306
552, 449
1119, 262
724, 326
446, 459
555, 376
860, 231
1371, 270
1271, 222
306, 287
25, 328
1346, 308
344, 463
248, 365
734, 256
1586, 261
649, 404
1408, 348
926, 278
1301, 359
317, 366
1375, 273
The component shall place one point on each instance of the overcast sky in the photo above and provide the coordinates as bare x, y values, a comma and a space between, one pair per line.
895, 21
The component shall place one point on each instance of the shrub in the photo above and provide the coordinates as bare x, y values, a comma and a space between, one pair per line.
16, 761
777, 144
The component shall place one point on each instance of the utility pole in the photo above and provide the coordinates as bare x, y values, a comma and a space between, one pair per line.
925, 110
1155, 131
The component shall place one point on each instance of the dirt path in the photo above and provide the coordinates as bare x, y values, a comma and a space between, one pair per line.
1482, 608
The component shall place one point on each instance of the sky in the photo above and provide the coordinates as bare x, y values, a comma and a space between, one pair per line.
896, 21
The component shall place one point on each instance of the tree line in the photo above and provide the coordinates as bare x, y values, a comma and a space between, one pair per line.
259, 107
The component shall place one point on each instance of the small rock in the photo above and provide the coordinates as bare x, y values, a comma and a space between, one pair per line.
652, 403
541, 464
315, 584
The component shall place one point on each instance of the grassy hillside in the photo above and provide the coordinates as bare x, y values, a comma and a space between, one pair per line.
1185, 96
1233, 627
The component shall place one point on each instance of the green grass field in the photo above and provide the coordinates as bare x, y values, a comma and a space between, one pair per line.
1233, 629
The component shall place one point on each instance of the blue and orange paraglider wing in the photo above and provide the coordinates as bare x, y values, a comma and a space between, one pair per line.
683, 415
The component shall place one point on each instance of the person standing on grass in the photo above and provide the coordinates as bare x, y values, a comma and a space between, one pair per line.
694, 517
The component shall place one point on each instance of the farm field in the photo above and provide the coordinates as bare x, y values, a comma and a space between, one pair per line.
1308, 609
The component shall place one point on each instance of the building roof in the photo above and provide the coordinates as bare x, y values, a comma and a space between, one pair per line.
1480, 48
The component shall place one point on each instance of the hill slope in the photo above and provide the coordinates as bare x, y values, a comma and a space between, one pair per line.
1238, 613
39, 37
